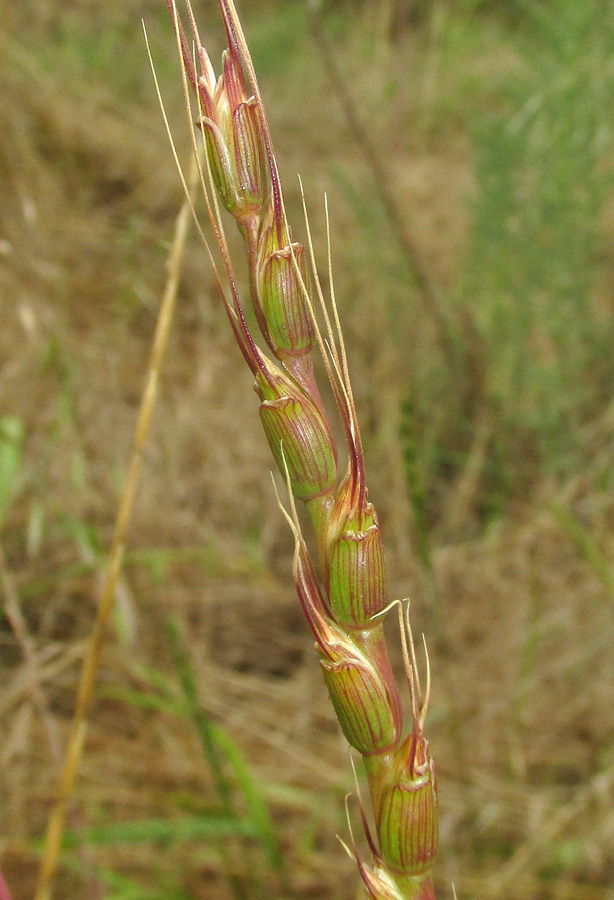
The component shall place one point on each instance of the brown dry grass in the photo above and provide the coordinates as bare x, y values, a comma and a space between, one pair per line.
523, 714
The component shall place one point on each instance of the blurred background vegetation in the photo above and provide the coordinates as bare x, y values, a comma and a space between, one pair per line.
467, 149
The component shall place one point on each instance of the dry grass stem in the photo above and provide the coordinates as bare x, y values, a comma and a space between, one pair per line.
55, 828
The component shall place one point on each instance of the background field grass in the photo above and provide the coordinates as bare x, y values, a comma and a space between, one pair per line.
489, 438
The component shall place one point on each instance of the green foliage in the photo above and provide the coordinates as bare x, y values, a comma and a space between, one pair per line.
537, 332
122, 888
277, 41
166, 831
11, 449
415, 480
237, 823
530, 272
104, 46
221, 753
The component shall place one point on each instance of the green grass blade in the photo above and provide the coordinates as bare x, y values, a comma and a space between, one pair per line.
141, 700
168, 831
204, 727
11, 446
199, 716
257, 808
122, 888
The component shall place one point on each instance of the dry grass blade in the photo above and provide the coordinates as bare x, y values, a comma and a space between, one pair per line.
55, 826
28, 647
602, 784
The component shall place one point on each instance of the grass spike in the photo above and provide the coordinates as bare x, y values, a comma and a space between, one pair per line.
344, 598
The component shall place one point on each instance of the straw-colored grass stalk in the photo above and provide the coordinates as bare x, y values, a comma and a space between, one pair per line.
344, 595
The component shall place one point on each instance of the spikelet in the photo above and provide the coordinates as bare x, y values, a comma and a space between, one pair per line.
280, 269
293, 421
356, 575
